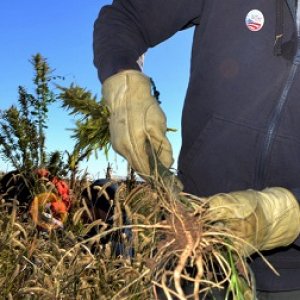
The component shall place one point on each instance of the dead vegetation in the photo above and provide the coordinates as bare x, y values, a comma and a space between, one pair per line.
163, 244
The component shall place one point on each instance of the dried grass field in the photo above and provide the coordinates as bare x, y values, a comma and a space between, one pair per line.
153, 245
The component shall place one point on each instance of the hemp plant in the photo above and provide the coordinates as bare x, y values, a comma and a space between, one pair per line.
22, 126
91, 132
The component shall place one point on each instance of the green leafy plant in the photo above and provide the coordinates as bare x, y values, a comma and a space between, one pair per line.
22, 127
91, 132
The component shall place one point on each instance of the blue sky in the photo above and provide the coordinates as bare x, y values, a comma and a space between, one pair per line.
61, 30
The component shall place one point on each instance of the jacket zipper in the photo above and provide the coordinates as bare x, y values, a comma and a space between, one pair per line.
260, 178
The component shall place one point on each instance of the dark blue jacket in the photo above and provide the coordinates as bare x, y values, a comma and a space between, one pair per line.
241, 117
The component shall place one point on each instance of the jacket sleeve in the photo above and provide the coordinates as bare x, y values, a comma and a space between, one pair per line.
125, 30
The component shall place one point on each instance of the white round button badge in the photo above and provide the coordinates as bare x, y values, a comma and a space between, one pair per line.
255, 20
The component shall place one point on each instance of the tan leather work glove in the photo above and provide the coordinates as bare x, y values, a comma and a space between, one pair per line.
266, 219
135, 116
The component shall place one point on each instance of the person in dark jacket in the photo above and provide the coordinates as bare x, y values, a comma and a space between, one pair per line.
243, 101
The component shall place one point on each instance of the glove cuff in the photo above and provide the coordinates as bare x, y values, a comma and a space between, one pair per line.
282, 213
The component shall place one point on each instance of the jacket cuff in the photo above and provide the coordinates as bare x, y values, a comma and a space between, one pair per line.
115, 65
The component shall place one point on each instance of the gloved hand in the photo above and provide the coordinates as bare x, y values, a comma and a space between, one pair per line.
135, 116
266, 219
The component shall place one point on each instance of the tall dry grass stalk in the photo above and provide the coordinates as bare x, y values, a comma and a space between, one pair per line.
167, 243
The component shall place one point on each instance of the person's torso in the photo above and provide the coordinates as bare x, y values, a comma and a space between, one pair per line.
241, 119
